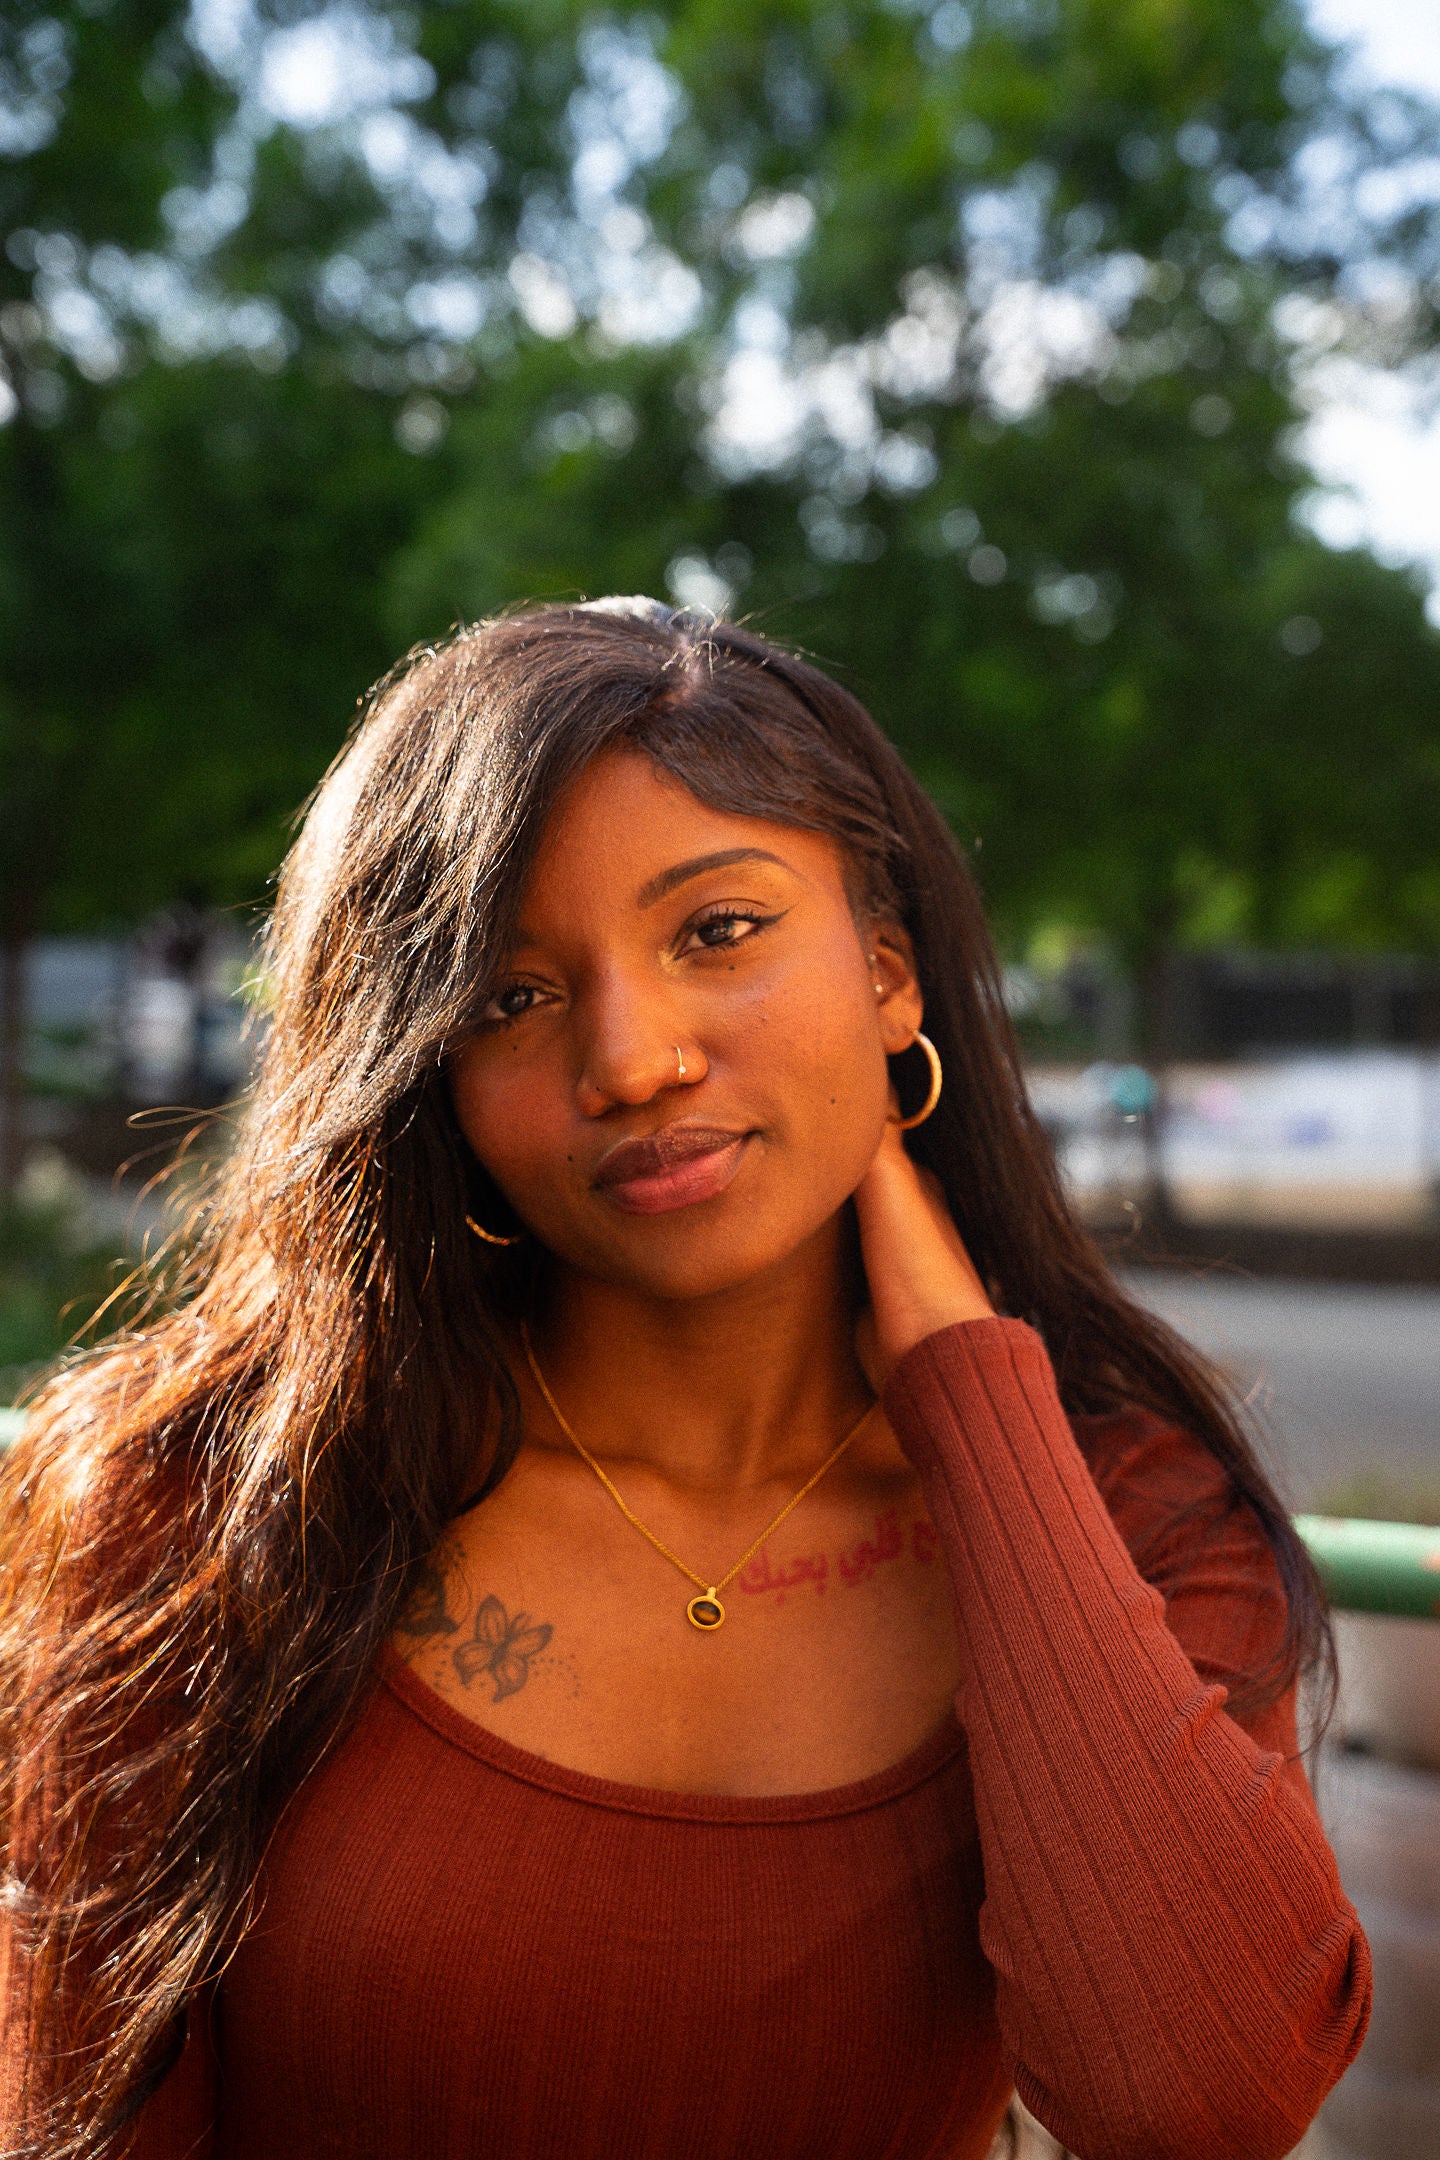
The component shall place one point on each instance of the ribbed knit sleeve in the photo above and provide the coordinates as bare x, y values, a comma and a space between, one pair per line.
1179, 1974
178, 2121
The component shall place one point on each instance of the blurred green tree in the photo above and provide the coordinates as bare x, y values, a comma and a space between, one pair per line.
195, 512
98, 113
966, 344
1002, 318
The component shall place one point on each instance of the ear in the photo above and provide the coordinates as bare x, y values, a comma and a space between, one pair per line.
898, 1004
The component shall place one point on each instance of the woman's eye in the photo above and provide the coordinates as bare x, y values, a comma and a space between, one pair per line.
731, 926
511, 1002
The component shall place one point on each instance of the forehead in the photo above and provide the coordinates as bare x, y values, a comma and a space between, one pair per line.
623, 822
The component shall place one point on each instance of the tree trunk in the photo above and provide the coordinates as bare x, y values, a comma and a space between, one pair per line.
13, 945
1152, 1012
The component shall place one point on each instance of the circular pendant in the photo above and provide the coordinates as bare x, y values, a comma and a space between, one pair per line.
705, 1612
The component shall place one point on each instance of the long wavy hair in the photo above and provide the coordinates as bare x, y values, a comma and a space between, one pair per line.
212, 1520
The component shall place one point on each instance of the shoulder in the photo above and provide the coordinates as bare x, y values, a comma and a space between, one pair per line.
1194, 1536
1157, 1479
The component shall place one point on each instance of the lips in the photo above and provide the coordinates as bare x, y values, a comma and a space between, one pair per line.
675, 1167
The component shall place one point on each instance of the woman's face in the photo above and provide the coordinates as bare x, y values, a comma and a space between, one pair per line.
656, 930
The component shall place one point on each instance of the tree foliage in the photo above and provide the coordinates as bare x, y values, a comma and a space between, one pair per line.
994, 380
965, 344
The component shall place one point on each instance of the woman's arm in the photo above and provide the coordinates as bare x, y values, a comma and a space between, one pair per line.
177, 2122
1179, 1975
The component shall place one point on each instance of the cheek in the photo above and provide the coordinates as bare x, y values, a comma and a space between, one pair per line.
818, 1052
500, 1110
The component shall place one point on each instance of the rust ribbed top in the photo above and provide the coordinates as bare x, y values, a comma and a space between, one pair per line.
1096, 1884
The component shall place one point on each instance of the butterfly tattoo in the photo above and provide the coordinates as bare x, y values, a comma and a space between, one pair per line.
501, 1647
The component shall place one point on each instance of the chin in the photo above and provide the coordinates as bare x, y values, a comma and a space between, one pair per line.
685, 1277
687, 1260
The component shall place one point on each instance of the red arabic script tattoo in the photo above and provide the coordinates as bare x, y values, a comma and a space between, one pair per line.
761, 1577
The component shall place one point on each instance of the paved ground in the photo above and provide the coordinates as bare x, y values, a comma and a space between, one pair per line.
1342, 1378
1384, 1823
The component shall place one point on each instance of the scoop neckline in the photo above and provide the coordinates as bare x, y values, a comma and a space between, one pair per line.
487, 1746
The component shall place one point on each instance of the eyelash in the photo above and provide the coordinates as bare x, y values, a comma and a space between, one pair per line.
720, 915
504, 1019
727, 914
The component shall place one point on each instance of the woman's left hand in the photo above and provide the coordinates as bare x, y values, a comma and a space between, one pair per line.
920, 1276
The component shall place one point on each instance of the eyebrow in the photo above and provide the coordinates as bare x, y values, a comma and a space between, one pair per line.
665, 881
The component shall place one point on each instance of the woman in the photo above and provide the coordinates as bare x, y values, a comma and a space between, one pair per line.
643, 1605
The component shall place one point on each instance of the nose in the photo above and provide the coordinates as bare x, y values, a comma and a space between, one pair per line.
634, 1047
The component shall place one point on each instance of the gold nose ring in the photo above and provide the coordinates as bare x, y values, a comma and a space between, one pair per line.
680, 1060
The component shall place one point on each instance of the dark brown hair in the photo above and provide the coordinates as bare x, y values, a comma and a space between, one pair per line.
211, 1522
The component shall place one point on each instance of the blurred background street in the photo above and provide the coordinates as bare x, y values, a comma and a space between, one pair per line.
1343, 1380
1064, 377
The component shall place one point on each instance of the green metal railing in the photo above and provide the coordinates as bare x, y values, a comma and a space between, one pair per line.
1379, 1567
1384, 1567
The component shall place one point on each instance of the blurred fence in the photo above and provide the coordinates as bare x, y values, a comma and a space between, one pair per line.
1339, 1140
156, 1017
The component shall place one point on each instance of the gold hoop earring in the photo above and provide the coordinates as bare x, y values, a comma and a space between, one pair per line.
937, 1081
489, 1236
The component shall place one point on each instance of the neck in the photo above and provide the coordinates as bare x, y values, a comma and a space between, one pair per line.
756, 1383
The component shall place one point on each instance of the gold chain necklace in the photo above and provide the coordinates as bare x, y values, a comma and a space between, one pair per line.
706, 1611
